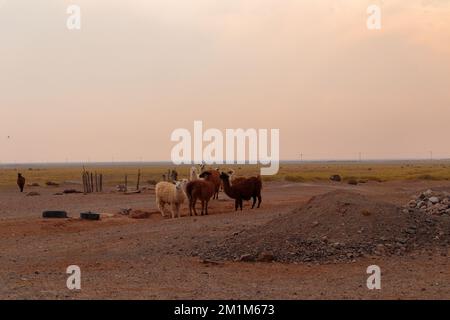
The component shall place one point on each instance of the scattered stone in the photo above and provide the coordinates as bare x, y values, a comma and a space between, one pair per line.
434, 200
33, 194
265, 257
380, 249
125, 211
247, 258
431, 203
34, 184
51, 184
210, 262
365, 213
140, 214
336, 177
121, 188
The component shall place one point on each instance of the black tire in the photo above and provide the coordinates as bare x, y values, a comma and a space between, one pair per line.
54, 214
89, 216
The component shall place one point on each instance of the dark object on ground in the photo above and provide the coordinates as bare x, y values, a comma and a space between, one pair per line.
89, 216
132, 192
54, 214
20, 181
51, 184
336, 177
353, 182
139, 214
33, 193
71, 191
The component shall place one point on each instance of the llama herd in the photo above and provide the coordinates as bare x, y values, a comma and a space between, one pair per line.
204, 185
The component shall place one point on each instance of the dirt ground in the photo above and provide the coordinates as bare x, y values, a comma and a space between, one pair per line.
155, 258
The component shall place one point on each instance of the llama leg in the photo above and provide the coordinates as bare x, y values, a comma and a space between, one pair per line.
240, 203
236, 204
193, 206
259, 200
254, 201
161, 208
172, 209
206, 207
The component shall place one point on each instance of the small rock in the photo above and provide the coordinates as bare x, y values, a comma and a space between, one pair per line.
247, 258
412, 204
335, 177
266, 257
125, 211
380, 249
434, 200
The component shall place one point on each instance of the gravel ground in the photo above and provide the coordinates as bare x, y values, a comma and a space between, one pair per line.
156, 258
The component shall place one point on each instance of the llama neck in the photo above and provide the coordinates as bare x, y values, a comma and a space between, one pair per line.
227, 188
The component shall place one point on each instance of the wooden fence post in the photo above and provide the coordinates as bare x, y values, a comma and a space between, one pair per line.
138, 179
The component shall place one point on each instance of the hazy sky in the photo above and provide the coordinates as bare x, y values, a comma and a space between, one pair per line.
138, 69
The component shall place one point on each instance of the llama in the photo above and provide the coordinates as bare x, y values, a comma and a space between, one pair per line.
214, 177
193, 173
233, 178
20, 181
244, 190
169, 193
201, 189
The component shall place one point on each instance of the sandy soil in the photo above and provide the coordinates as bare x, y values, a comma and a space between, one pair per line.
123, 258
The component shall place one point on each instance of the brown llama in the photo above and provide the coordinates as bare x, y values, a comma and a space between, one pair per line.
203, 190
214, 177
244, 189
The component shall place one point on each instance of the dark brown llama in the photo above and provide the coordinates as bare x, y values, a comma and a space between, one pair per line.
20, 181
244, 189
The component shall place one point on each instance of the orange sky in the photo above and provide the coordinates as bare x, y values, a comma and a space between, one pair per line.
139, 69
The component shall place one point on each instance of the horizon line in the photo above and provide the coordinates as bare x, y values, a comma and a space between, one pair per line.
165, 162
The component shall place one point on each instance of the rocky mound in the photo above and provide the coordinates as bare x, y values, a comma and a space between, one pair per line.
431, 202
337, 226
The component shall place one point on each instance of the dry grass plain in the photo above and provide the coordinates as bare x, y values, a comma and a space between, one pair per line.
438, 170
